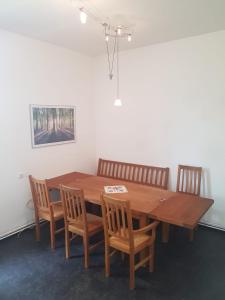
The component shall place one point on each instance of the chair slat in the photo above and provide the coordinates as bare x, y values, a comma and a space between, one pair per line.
118, 220
123, 220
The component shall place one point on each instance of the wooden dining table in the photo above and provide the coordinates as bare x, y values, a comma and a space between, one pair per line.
148, 202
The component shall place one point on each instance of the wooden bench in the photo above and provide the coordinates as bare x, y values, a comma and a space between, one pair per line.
146, 175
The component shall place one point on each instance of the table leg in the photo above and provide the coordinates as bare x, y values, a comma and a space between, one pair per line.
165, 232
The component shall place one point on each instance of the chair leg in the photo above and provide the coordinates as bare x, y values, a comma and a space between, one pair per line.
142, 223
107, 261
37, 229
151, 260
67, 242
52, 234
191, 235
86, 251
132, 279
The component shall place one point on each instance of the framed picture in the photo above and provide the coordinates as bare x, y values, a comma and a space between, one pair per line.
52, 125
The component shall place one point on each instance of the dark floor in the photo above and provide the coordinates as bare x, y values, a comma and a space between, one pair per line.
184, 270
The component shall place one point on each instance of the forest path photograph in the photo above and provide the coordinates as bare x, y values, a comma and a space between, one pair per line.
52, 125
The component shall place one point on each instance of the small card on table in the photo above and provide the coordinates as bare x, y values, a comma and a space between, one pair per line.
113, 189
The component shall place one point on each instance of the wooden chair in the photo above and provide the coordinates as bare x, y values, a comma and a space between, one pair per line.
78, 222
119, 234
189, 182
147, 175
45, 209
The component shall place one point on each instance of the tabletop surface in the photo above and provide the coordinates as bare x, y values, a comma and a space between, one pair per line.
171, 207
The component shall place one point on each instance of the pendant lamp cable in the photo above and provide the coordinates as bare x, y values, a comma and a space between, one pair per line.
118, 81
110, 64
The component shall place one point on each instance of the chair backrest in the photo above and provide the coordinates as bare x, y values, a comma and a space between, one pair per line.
40, 193
189, 180
147, 175
117, 219
74, 206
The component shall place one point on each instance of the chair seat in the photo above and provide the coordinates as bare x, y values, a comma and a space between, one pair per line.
94, 223
140, 241
57, 213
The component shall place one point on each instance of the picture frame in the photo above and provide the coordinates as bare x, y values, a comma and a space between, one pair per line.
52, 125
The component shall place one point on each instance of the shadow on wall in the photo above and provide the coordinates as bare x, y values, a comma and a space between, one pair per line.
172, 179
206, 183
213, 215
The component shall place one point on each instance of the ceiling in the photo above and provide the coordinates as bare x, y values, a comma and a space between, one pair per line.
152, 21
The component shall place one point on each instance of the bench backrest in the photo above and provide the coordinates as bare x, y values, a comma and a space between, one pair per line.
147, 175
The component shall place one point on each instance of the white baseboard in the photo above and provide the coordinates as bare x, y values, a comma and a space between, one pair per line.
18, 230
214, 226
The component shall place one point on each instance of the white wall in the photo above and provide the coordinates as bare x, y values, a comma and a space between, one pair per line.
173, 111
34, 72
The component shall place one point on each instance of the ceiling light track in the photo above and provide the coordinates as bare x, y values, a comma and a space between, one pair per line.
112, 35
